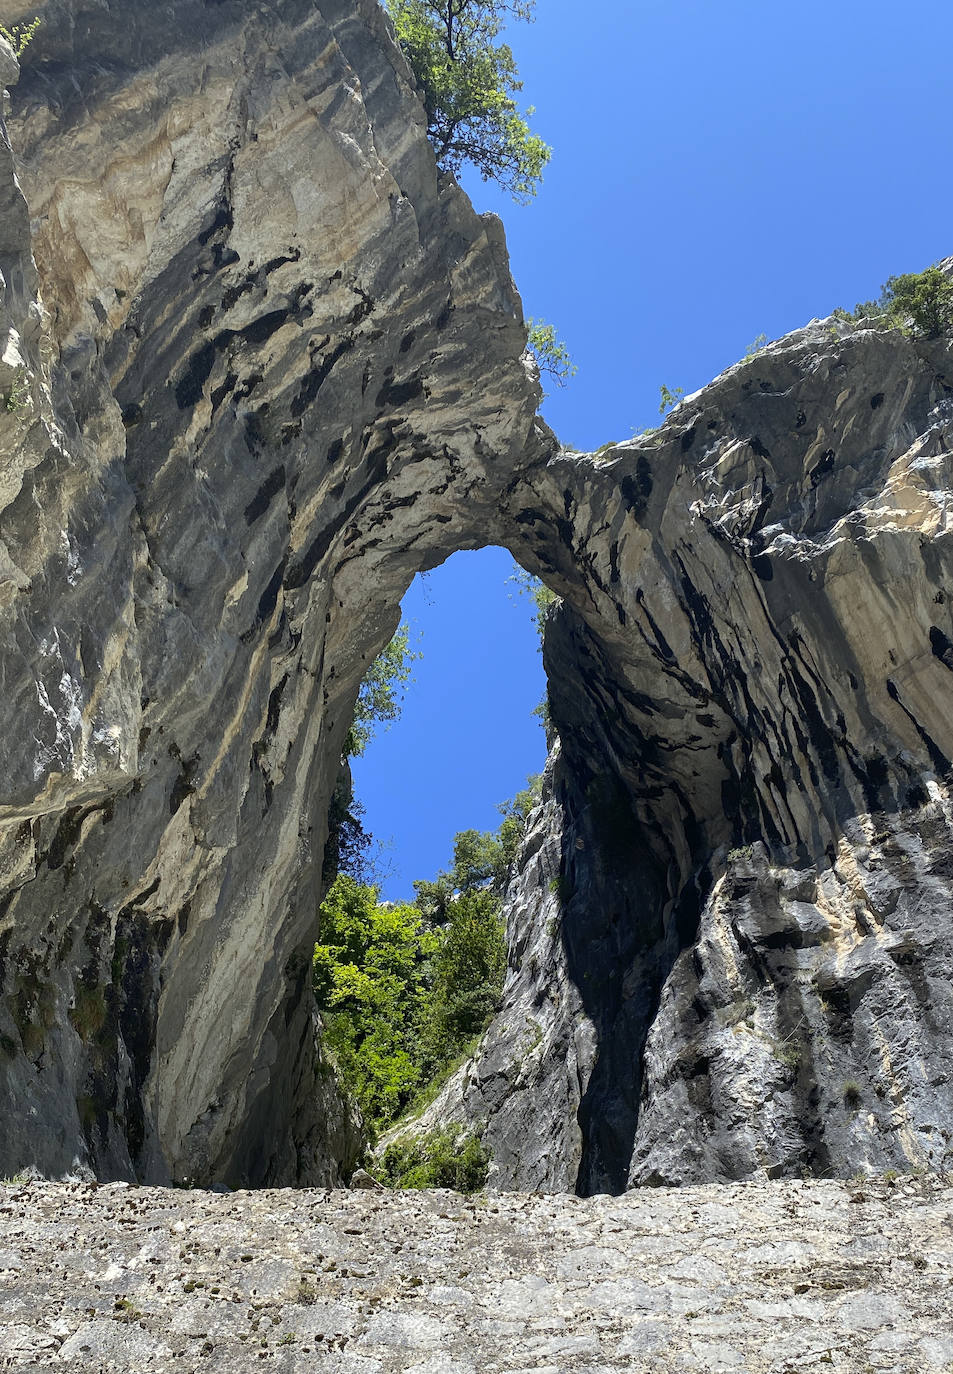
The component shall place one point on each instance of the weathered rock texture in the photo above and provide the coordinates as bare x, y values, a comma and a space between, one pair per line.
731, 937
760, 1277
285, 375
281, 372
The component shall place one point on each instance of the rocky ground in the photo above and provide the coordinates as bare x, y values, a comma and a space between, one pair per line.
757, 1277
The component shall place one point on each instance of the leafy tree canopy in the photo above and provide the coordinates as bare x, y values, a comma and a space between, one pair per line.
468, 80
918, 302
372, 978
551, 354
925, 298
405, 988
380, 696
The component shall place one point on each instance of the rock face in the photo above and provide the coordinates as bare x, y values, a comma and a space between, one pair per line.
283, 374
762, 1277
731, 935
279, 372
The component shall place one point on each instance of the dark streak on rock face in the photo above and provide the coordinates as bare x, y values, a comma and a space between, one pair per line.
738, 888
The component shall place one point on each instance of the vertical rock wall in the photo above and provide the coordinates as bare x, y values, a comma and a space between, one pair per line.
259, 365
282, 374
731, 941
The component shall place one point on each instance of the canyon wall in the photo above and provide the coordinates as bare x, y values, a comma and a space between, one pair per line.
261, 364
730, 938
276, 370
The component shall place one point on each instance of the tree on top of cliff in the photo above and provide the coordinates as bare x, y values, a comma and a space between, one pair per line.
468, 80
925, 299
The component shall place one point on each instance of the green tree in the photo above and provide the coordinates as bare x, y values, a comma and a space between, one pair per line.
918, 302
552, 356
404, 989
470, 964
372, 977
468, 79
380, 695
515, 815
923, 298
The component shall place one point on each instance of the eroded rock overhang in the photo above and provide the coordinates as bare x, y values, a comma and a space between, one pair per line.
285, 374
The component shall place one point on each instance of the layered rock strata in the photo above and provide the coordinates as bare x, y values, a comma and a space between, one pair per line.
730, 939
279, 371
283, 374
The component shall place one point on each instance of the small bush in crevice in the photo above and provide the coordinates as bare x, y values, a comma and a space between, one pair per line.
852, 1095
20, 36
444, 1158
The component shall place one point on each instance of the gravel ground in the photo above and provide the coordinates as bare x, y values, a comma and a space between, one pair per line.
752, 1277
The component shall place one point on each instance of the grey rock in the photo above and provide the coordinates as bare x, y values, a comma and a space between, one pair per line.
729, 933
249, 421
260, 365
362, 1179
179, 1301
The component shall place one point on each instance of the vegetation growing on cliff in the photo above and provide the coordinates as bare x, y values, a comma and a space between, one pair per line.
448, 1157
919, 302
468, 80
543, 597
20, 36
551, 354
380, 695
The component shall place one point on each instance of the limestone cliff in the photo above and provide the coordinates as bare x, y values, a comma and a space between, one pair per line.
731, 940
282, 373
268, 365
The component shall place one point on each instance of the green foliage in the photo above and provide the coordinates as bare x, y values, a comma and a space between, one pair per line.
469, 968
445, 1158
925, 299
563, 888
756, 345
515, 815
18, 395
871, 313
380, 697
540, 594
918, 302
20, 36
345, 850
551, 354
88, 1013
468, 79
404, 988
372, 978
669, 399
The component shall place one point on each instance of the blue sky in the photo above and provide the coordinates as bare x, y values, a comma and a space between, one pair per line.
719, 171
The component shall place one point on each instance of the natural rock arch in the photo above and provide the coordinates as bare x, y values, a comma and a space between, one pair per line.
288, 375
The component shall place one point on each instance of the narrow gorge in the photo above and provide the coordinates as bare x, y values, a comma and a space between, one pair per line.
261, 364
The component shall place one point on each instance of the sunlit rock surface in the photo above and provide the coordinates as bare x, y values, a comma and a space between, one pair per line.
279, 371
761, 1277
286, 374
731, 936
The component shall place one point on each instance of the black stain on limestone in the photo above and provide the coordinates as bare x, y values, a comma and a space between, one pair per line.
939, 760
822, 468
941, 646
264, 496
